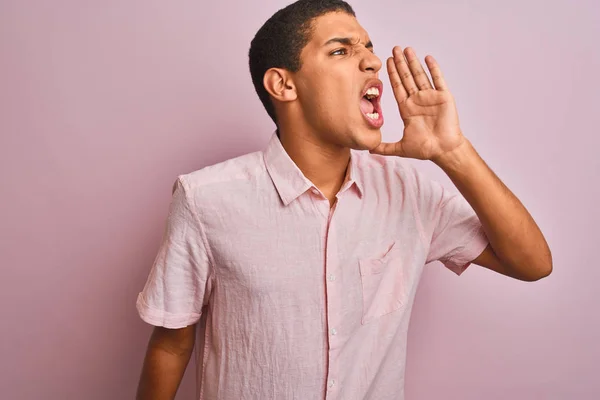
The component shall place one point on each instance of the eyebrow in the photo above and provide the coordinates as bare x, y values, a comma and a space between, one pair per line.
346, 41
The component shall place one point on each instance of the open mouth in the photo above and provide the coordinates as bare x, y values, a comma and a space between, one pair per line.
370, 105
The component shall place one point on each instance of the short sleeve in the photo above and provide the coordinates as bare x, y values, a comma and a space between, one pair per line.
451, 228
178, 285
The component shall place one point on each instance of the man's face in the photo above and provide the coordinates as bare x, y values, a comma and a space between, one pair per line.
338, 67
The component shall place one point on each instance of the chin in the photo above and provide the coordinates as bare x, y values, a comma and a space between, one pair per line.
365, 140
368, 139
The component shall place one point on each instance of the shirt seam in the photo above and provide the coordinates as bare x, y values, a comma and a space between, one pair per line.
203, 237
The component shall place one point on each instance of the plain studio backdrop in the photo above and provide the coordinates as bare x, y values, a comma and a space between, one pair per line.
104, 103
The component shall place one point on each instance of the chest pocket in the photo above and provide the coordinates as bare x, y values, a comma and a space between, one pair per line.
384, 284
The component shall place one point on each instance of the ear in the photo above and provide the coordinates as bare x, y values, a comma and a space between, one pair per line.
279, 84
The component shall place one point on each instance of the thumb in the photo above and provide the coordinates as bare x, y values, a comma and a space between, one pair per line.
389, 149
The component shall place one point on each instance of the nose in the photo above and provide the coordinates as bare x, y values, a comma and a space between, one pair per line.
370, 62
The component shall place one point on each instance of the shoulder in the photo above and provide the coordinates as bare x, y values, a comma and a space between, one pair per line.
395, 170
226, 173
399, 178
243, 167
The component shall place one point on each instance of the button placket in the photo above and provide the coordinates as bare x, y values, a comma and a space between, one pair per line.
333, 299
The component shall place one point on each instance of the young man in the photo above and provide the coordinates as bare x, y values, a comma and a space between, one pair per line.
303, 259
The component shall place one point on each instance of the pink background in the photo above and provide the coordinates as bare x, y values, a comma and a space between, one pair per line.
104, 103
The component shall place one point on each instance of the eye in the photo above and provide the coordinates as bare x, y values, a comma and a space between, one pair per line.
338, 52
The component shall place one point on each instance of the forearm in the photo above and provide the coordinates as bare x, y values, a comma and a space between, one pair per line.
163, 370
513, 234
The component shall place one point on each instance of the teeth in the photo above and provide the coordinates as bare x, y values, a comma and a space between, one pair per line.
372, 92
373, 116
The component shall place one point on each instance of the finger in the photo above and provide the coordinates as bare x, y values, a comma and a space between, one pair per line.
398, 88
436, 73
416, 69
389, 149
404, 72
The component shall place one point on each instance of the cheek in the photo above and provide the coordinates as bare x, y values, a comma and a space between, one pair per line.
330, 95
336, 95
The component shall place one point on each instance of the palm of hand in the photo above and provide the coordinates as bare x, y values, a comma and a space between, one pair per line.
431, 125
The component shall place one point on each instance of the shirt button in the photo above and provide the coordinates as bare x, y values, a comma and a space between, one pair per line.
333, 332
331, 383
331, 277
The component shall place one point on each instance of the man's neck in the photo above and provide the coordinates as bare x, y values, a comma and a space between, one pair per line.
324, 165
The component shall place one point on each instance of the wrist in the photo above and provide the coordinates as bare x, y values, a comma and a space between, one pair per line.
458, 158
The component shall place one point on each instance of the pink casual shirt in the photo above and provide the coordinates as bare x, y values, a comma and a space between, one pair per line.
300, 300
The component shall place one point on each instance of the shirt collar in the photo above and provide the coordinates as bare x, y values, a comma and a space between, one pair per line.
290, 182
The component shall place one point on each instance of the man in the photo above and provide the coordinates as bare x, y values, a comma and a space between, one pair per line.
303, 259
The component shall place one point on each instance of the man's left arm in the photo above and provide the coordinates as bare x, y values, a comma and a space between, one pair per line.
517, 246
432, 132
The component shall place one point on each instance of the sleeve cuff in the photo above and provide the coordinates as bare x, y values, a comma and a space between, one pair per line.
463, 258
165, 319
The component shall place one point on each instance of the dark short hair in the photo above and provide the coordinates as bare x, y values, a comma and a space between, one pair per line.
279, 42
